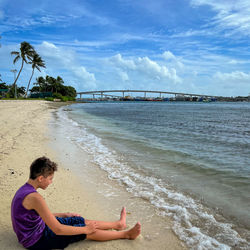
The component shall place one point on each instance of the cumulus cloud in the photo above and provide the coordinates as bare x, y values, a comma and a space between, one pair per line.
61, 59
122, 63
235, 77
81, 72
167, 55
235, 83
154, 70
146, 68
123, 75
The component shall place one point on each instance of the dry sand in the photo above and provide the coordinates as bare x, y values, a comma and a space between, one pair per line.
24, 136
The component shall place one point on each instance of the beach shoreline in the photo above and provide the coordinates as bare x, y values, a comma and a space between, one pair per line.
26, 135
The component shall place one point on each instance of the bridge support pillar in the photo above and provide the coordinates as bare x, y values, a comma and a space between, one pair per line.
145, 94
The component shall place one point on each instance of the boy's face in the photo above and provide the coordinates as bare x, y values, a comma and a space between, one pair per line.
44, 182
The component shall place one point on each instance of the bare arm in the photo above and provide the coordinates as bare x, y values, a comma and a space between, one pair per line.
35, 201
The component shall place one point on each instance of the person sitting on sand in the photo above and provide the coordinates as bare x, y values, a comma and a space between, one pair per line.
37, 228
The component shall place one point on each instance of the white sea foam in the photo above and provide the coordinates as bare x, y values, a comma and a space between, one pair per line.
193, 223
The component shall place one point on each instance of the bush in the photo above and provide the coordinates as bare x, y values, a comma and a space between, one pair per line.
64, 98
57, 96
71, 98
51, 99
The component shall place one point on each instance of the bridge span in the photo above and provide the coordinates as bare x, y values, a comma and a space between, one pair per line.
107, 93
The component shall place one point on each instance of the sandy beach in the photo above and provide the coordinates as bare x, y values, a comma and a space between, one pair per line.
25, 136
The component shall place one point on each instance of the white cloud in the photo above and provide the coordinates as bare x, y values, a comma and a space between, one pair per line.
154, 70
49, 45
60, 59
232, 15
123, 75
234, 77
145, 68
111, 39
122, 63
56, 56
81, 72
235, 83
192, 33
233, 62
168, 55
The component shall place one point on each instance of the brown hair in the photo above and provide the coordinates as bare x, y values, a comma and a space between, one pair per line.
42, 166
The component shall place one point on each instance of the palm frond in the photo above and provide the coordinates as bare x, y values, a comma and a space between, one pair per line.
27, 51
16, 59
14, 53
38, 68
37, 62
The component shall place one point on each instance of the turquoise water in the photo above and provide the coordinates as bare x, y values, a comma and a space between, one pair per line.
190, 160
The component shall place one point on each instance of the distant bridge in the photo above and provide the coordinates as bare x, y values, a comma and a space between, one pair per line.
106, 93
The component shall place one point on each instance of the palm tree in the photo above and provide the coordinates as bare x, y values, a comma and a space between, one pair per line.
49, 82
26, 53
59, 82
36, 62
40, 82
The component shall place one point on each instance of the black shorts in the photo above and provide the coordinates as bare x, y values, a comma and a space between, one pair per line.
50, 240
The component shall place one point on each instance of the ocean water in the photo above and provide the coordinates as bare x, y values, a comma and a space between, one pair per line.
189, 160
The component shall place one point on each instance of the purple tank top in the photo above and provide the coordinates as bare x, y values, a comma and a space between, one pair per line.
27, 224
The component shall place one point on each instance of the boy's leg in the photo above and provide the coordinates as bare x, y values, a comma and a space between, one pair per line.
117, 225
50, 240
104, 235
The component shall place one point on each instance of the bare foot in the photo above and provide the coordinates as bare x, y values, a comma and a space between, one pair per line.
121, 224
134, 232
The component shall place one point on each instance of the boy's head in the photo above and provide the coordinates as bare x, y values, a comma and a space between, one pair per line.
42, 166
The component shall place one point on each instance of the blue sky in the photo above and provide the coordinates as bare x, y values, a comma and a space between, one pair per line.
193, 46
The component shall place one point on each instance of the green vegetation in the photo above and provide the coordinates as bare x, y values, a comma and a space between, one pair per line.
51, 99
48, 88
53, 87
8, 91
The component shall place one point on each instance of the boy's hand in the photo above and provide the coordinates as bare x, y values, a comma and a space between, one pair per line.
91, 227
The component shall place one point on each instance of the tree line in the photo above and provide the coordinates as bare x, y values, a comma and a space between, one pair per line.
55, 86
